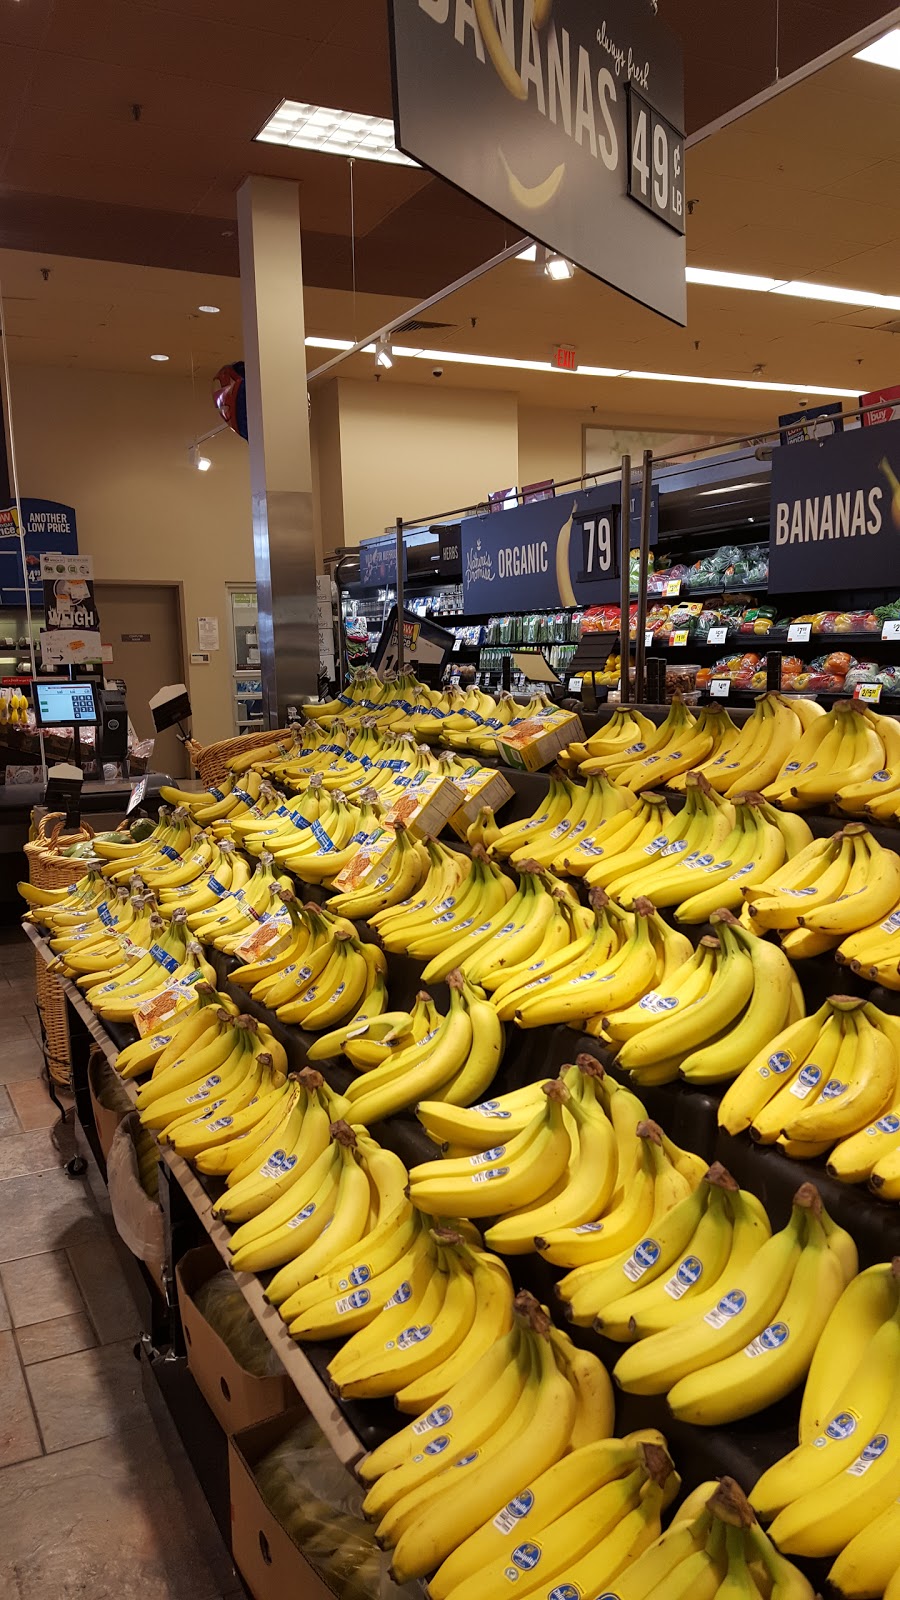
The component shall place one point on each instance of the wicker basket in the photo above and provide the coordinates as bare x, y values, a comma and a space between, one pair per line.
49, 869
211, 760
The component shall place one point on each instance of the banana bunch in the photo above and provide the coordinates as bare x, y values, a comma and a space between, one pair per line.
362, 683
557, 1523
505, 1420
638, 829
403, 874
399, 700
696, 833
513, 935
623, 956
314, 1209
227, 872
173, 964
744, 1349
108, 914
238, 912
217, 1089
689, 743
456, 1059
836, 1494
625, 728
714, 1549
286, 827
876, 795
831, 888
262, 1161
103, 953
766, 741
839, 750
447, 870
232, 799
873, 951
338, 978
623, 763
822, 1079
734, 989
482, 891
67, 907
174, 833
591, 805
170, 1044
474, 725
375, 1034
657, 1277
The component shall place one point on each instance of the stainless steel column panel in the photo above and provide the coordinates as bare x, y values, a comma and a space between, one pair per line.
278, 425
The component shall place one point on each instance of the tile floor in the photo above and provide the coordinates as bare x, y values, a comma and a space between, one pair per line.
89, 1508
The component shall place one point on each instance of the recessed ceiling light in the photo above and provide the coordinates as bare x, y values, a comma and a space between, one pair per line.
884, 52
337, 133
513, 364
211, 311
159, 358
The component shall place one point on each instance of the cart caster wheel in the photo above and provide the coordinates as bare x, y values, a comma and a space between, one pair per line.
76, 1168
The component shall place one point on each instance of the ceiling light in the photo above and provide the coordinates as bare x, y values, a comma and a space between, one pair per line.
211, 311
730, 488
159, 358
884, 52
202, 463
557, 267
528, 255
343, 133
796, 287
384, 356
514, 364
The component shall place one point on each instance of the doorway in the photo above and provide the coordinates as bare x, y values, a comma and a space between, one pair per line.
142, 623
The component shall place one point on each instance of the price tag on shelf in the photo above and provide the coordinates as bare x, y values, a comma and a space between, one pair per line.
890, 630
869, 692
720, 688
457, 644
717, 636
648, 640
673, 588
574, 685
454, 679
679, 637
799, 632
138, 790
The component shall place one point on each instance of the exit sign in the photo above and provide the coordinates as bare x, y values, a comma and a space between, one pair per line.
564, 357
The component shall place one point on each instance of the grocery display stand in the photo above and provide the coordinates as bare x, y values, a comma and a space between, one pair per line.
688, 1114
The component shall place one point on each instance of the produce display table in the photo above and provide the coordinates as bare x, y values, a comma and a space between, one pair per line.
687, 1114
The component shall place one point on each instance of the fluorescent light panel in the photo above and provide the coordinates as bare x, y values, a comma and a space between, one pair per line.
336, 133
512, 364
883, 52
797, 287
730, 488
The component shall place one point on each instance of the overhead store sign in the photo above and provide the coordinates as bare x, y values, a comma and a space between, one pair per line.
560, 552
49, 526
563, 117
835, 519
378, 562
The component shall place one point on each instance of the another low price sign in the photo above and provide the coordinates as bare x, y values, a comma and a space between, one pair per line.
564, 118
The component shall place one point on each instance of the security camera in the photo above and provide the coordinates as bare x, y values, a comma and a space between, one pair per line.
437, 372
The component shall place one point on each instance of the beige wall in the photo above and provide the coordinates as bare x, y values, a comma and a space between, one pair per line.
550, 443
115, 447
414, 449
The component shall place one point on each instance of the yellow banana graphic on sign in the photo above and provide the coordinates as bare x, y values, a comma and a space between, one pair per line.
502, 65
563, 581
530, 198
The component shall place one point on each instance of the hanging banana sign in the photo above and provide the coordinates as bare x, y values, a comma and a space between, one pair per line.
560, 552
835, 520
564, 117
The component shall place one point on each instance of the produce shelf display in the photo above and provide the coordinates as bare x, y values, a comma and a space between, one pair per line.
558, 1156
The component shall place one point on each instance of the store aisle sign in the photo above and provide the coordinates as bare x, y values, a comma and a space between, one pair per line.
378, 562
835, 519
560, 552
49, 526
561, 116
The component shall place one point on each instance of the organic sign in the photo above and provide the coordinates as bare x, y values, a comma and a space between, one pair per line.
836, 512
564, 117
562, 552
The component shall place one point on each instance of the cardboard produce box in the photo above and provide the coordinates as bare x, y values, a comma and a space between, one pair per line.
536, 741
485, 786
427, 805
266, 1556
236, 1398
